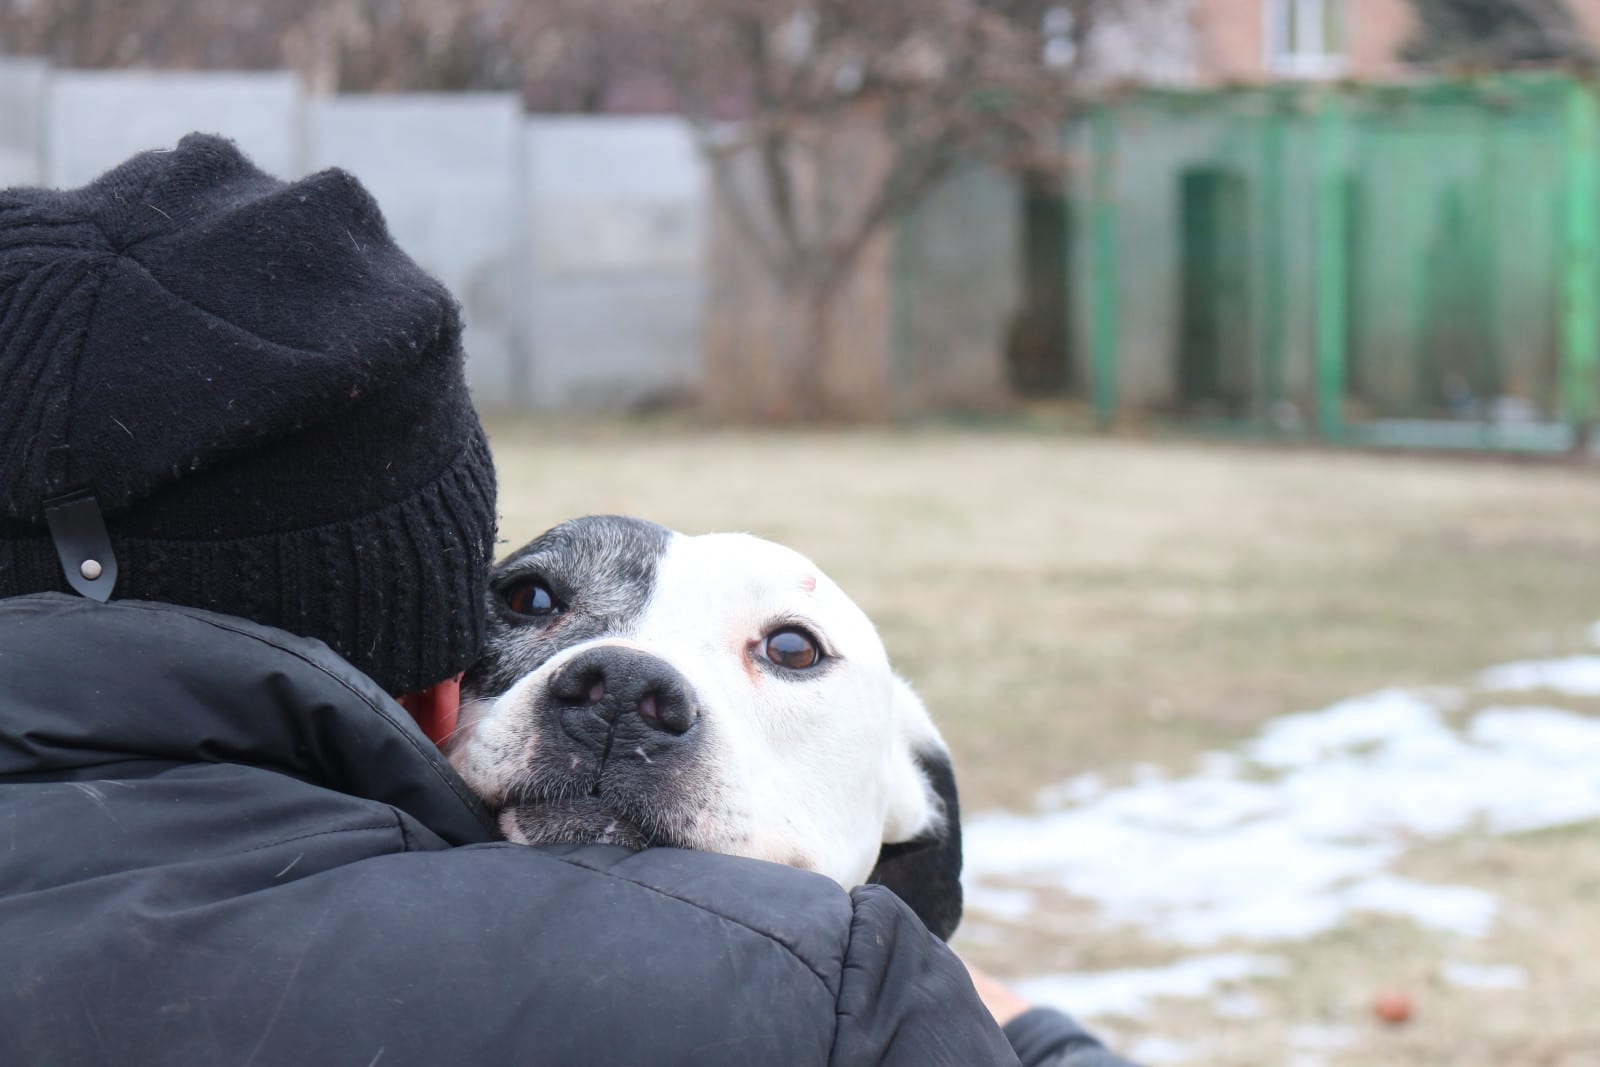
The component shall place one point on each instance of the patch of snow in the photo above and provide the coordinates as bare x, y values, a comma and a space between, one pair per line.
1324, 1037
1220, 764
976, 932
1450, 908
1006, 905
1202, 803
1484, 975
1564, 745
1311, 1042
1301, 740
1156, 1050
1546, 734
1148, 774
1238, 1005
1260, 878
1130, 992
1079, 790
1572, 675
1288, 836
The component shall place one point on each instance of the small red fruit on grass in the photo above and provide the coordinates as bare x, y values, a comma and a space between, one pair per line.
1393, 1007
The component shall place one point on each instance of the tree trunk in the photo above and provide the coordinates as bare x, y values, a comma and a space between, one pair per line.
812, 322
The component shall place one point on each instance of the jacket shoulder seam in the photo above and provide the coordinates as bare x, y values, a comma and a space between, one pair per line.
469, 801
316, 833
844, 969
698, 906
400, 825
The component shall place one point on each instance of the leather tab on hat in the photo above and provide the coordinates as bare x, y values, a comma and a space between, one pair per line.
82, 544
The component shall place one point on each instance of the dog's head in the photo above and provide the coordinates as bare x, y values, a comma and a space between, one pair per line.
718, 693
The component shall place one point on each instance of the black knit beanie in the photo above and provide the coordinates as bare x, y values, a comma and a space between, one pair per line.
262, 394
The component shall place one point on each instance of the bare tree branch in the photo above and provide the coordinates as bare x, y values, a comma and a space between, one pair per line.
1495, 32
824, 121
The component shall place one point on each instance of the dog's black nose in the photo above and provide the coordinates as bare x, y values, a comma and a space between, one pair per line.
623, 688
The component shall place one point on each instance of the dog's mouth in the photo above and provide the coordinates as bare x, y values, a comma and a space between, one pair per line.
595, 772
582, 820
601, 808
575, 801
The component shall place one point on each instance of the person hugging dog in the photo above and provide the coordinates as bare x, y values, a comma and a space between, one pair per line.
247, 513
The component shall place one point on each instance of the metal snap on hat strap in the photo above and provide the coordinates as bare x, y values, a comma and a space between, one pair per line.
82, 544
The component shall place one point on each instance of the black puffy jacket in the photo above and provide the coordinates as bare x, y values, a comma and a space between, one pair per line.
220, 844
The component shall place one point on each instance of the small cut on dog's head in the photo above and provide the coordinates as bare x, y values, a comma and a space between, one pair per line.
646, 688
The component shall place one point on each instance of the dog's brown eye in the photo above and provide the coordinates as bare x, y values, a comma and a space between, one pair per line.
792, 648
531, 597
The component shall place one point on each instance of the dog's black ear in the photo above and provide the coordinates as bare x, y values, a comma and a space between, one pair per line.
925, 871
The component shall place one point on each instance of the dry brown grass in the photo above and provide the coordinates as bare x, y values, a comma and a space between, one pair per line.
1068, 604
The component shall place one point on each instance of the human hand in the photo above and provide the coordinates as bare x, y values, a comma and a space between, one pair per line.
1003, 1002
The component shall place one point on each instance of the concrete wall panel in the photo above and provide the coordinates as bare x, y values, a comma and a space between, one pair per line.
617, 233
24, 84
97, 119
446, 171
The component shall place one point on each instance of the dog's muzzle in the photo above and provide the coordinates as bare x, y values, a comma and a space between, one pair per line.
618, 701
618, 757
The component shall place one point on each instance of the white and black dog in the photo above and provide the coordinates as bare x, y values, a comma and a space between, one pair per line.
642, 687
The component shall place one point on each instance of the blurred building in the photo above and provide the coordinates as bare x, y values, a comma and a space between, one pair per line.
1259, 40
1252, 41
1182, 266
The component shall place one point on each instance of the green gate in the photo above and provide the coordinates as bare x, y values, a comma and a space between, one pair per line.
1410, 265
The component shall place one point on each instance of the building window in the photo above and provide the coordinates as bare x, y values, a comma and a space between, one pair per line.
1306, 38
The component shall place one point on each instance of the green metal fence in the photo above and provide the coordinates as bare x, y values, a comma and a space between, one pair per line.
1412, 264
